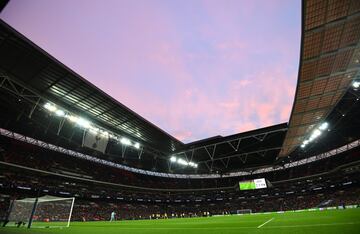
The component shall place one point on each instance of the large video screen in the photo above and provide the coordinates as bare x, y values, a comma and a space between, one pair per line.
253, 184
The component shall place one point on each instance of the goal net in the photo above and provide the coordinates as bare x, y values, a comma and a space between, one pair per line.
46, 211
244, 211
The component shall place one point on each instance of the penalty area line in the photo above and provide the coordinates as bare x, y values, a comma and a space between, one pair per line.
266, 222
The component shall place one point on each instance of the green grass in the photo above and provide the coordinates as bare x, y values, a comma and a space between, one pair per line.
330, 221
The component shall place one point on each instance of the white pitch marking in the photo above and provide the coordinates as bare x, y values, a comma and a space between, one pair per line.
313, 225
266, 222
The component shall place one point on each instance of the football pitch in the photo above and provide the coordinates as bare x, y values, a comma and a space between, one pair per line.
329, 221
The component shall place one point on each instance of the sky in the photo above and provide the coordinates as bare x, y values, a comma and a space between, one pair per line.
195, 69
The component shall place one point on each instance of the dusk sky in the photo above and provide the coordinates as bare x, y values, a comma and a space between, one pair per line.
194, 68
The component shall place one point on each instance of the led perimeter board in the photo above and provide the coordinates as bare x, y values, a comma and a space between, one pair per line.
253, 184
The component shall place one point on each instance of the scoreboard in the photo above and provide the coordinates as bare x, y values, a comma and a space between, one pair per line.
253, 184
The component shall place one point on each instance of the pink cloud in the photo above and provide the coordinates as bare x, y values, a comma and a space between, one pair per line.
224, 68
244, 82
183, 135
243, 127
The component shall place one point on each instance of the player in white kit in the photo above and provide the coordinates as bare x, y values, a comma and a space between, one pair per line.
112, 216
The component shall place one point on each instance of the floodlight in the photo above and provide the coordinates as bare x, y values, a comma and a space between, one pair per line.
356, 84
137, 145
182, 162
125, 141
50, 107
306, 142
173, 159
303, 146
324, 126
83, 123
316, 133
60, 113
72, 118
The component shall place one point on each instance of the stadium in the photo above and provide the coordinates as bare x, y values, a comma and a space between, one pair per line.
73, 159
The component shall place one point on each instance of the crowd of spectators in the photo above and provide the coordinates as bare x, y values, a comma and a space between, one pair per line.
317, 184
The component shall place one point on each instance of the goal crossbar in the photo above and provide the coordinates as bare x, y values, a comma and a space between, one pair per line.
43, 199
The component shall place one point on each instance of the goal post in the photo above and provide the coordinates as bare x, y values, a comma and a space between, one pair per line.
243, 211
20, 212
71, 210
46, 211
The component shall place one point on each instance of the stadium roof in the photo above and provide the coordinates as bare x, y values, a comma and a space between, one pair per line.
330, 55
329, 62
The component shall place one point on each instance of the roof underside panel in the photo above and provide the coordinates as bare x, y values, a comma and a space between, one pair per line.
329, 62
248, 149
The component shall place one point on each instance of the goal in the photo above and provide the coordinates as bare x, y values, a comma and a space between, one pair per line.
46, 211
244, 211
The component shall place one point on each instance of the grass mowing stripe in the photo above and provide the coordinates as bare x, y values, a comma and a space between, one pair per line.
181, 228
266, 222
313, 225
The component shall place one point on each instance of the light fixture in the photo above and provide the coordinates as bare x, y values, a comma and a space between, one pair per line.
88, 125
137, 145
125, 141
193, 164
60, 113
83, 123
316, 133
356, 84
324, 126
50, 107
311, 138
182, 162
72, 118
